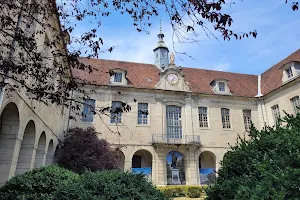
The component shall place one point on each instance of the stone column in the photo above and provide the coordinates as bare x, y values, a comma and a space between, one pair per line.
191, 172
188, 129
154, 167
161, 173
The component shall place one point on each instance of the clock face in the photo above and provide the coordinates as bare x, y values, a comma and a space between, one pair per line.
172, 78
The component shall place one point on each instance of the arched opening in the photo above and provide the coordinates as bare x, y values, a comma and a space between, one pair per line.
9, 129
175, 168
142, 163
50, 153
56, 151
40, 151
207, 167
27, 148
121, 160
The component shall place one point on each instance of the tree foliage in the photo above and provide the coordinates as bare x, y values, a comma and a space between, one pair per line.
35, 58
55, 183
37, 184
110, 185
82, 150
265, 167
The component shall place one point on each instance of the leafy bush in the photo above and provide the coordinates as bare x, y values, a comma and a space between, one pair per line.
55, 183
264, 167
37, 184
172, 192
82, 150
182, 191
110, 185
194, 192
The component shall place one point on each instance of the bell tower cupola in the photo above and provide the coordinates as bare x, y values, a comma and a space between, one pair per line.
161, 52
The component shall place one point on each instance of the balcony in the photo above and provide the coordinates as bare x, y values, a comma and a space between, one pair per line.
185, 139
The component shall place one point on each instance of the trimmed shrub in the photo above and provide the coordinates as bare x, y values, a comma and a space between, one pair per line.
37, 184
172, 192
194, 192
110, 185
183, 191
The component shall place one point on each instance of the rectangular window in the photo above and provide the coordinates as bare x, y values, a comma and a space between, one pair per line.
296, 104
247, 119
88, 110
221, 86
142, 113
225, 113
203, 116
174, 128
289, 72
276, 113
118, 77
116, 112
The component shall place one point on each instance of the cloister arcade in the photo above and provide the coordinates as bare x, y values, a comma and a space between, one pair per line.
26, 142
193, 167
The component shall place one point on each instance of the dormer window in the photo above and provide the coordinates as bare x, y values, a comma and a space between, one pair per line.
289, 72
221, 86
117, 77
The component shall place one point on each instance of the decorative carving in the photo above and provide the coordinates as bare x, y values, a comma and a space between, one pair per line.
172, 59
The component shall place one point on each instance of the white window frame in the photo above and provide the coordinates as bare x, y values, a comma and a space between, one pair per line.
115, 118
174, 130
247, 119
295, 101
276, 113
142, 118
118, 77
203, 117
289, 72
88, 110
222, 85
225, 117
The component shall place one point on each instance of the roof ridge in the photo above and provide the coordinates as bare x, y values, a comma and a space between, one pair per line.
275, 65
117, 61
220, 71
179, 66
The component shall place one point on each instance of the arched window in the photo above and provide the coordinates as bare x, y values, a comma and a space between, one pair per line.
174, 127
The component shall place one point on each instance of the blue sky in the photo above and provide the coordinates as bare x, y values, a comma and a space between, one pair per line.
278, 36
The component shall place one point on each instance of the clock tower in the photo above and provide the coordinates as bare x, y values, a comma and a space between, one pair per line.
161, 53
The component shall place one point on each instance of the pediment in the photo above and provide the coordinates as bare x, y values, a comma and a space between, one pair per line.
172, 79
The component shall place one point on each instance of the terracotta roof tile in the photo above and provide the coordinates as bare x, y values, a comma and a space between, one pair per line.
272, 78
141, 75
239, 84
147, 76
138, 75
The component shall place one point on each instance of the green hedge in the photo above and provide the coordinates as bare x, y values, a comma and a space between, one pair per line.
37, 184
183, 191
110, 185
55, 183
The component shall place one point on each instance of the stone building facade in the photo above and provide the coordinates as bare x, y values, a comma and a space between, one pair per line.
181, 122
29, 130
193, 114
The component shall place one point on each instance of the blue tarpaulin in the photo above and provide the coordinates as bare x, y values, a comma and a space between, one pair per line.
145, 170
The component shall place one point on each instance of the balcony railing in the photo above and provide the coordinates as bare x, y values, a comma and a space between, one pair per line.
185, 139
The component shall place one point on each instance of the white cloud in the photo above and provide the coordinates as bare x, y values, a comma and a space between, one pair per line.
221, 67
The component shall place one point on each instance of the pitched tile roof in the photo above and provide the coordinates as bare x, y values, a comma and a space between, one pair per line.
239, 84
272, 78
140, 75
147, 76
